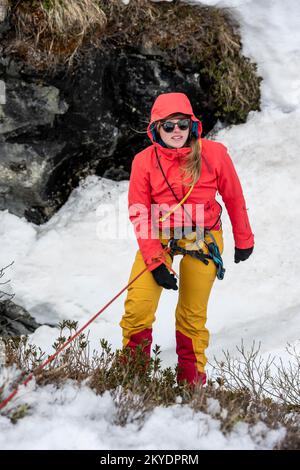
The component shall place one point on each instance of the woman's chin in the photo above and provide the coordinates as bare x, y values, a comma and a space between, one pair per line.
176, 145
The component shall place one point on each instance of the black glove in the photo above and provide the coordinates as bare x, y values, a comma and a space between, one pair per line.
164, 278
242, 254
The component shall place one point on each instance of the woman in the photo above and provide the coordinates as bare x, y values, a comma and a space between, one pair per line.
179, 174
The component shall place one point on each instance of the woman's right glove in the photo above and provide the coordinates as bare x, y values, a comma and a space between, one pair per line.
164, 278
242, 254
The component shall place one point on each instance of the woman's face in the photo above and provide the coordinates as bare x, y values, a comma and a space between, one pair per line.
178, 137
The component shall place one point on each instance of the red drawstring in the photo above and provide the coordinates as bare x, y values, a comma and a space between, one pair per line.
53, 356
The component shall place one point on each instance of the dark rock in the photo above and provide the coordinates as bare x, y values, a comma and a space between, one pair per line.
15, 320
55, 130
27, 107
27, 153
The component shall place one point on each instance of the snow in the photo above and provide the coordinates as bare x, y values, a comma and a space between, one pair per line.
75, 418
72, 266
271, 37
213, 406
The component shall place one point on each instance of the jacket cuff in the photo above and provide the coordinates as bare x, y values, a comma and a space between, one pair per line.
155, 261
248, 243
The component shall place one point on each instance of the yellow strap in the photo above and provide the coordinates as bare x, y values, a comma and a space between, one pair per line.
164, 217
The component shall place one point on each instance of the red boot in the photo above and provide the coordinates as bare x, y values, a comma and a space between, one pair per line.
143, 338
139, 355
187, 362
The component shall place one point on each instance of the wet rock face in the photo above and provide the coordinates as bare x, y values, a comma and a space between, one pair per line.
136, 80
59, 124
15, 320
55, 130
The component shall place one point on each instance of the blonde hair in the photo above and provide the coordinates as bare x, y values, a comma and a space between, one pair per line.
193, 162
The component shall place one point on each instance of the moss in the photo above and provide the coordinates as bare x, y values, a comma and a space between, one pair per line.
19, 413
185, 36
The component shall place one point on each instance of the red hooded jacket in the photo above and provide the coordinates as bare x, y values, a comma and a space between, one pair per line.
148, 186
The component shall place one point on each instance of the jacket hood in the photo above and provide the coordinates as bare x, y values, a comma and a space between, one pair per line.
171, 103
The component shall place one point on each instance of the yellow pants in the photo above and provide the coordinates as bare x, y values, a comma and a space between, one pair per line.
192, 337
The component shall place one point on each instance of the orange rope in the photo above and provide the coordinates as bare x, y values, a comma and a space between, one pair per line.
53, 356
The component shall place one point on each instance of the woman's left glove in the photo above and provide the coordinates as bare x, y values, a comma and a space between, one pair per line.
242, 254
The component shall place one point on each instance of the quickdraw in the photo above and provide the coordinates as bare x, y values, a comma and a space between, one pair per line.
215, 255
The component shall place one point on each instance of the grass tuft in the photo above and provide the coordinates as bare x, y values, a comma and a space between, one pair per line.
47, 33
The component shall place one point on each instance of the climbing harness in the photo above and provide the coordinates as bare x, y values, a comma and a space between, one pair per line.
213, 249
174, 248
213, 253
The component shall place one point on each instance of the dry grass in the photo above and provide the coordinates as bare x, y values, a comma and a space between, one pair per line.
49, 32
73, 18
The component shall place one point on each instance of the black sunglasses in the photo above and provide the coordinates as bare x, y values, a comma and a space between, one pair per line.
169, 126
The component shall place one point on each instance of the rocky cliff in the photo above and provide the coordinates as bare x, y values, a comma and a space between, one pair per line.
70, 110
